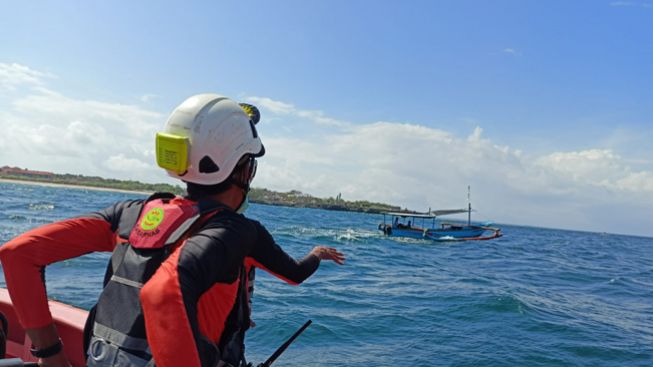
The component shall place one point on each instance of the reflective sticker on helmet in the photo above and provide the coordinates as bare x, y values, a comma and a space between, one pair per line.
251, 111
172, 152
152, 219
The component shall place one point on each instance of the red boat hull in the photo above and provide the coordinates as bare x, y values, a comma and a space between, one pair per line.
70, 324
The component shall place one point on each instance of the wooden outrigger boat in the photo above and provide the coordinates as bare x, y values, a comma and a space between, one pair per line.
426, 226
413, 225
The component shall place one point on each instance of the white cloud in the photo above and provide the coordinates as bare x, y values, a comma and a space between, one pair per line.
511, 51
476, 135
597, 167
401, 163
43, 129
121, 163
148, 97
636, 182
286, 109
276, 107
416, 166
15, 75
589, 166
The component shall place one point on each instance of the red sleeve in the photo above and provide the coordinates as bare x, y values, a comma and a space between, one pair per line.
25, 257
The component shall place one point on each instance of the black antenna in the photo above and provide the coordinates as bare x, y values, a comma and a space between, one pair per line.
285, 346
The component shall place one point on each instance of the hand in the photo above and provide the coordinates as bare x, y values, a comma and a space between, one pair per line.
328, 253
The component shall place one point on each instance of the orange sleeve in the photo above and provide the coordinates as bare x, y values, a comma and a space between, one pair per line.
166, 319
25, 257
200, 275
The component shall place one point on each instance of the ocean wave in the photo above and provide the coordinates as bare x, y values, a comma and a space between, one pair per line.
41, 206
535, 297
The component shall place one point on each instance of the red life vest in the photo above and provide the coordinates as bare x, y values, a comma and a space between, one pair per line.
115, 330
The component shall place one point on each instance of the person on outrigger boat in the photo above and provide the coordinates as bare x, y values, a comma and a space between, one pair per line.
177, 290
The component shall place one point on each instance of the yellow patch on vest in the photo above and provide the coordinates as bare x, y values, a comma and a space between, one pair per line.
152, 219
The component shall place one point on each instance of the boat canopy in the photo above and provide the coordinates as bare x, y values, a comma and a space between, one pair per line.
430, 214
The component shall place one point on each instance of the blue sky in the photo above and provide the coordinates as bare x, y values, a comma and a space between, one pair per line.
544, 107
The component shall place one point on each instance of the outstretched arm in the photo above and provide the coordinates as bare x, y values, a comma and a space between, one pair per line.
269, 256
328, 253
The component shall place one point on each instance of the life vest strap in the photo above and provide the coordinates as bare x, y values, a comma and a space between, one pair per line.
125, 281
181, 230
120, 339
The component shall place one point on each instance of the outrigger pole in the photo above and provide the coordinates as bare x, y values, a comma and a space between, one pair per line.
469, 208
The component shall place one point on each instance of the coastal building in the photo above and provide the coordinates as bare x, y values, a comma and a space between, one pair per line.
24, 172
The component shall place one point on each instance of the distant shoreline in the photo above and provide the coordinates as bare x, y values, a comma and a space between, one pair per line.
71, 186
291, 198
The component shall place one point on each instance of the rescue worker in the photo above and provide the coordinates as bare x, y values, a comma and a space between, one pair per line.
177, 290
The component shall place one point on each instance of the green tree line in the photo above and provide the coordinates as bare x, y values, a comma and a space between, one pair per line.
292, 198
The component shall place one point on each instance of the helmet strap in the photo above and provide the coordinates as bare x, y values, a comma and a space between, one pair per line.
239, 180
243, 175
245, 189
242, 186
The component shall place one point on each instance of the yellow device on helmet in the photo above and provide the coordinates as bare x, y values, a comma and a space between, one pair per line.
172, 152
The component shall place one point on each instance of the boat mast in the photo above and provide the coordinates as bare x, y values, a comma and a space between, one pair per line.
469, 208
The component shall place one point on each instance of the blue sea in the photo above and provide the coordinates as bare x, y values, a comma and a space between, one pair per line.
535, 297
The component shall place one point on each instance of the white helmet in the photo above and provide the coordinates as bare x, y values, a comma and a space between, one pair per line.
205, 137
